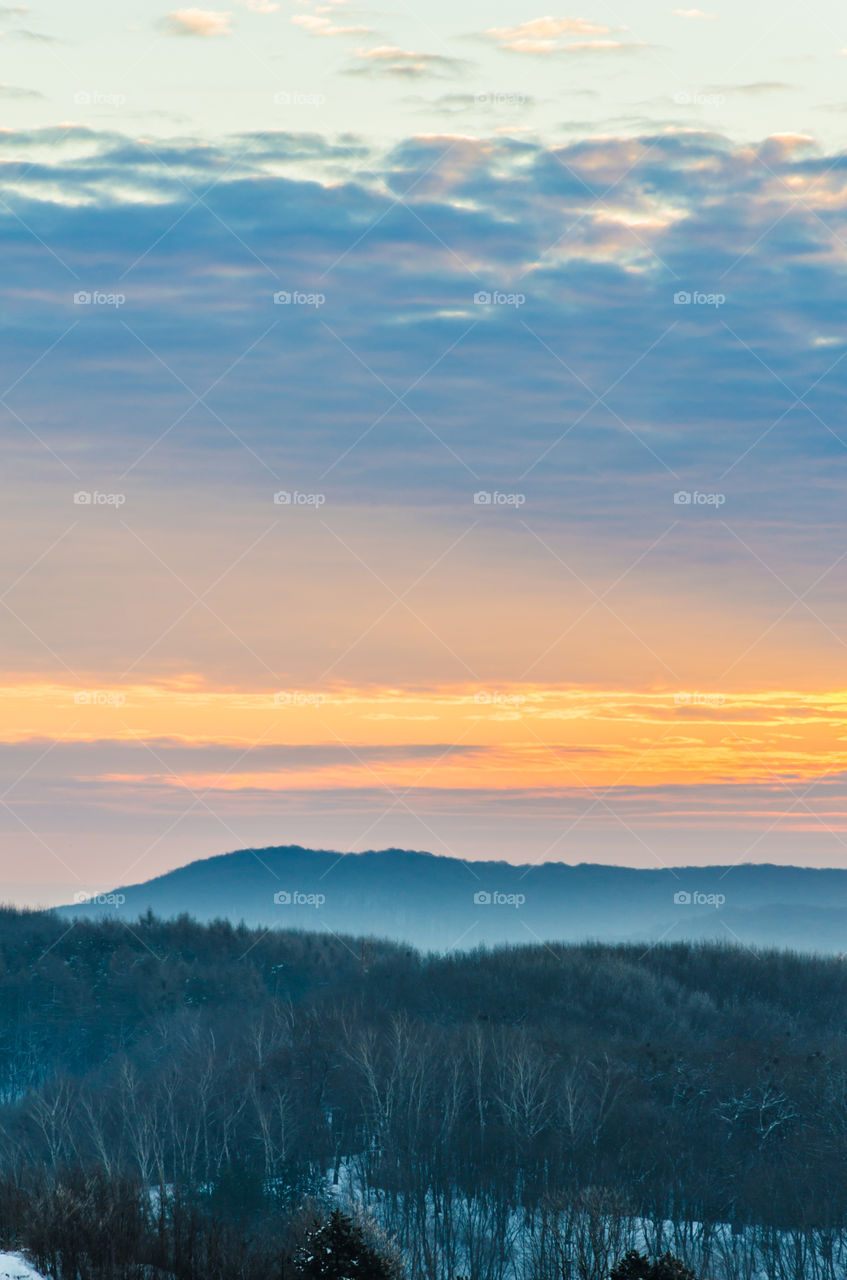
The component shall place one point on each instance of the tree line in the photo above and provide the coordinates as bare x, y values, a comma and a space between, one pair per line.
529, 1111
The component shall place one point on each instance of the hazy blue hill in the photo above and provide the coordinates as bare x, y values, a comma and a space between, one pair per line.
799, 927
433, 901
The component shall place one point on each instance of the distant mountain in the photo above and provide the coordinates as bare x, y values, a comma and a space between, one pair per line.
440, 903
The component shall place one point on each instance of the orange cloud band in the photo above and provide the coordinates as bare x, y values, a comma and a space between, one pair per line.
516, 737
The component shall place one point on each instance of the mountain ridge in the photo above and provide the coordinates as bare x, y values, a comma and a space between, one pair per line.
437, 901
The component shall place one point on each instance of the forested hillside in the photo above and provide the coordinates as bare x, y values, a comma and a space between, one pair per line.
464, 1098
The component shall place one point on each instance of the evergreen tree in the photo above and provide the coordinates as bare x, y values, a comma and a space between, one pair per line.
635, 1266
339, 1250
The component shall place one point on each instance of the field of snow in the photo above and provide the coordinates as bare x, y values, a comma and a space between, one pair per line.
14, 1267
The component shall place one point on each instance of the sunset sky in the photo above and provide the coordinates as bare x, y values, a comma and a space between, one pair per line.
423, 430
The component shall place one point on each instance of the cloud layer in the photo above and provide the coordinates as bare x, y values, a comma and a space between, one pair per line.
199, 22
284, 411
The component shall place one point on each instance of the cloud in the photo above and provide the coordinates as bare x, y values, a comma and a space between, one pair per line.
198, 22
23, 33
696, 15
598, 235
389, 60
514, 792
319, 26
596, 399
16, 91
262, 6
753, 87
547, 35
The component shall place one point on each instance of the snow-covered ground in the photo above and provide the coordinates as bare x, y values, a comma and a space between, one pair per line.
15, 1267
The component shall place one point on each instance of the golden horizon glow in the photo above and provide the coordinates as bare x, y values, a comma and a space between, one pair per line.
518, 737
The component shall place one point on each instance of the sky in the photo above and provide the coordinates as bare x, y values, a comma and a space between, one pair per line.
422, 427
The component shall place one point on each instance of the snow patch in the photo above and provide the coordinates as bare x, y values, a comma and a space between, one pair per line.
13, 1266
